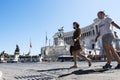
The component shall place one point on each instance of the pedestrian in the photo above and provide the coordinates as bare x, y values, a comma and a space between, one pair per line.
107, 37
76, 48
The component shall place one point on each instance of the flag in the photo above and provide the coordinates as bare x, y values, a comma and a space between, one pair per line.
30, 44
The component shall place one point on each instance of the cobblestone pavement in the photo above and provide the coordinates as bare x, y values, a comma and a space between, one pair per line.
57, 71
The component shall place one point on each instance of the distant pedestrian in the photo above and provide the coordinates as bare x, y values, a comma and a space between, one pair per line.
76, 48
107, 37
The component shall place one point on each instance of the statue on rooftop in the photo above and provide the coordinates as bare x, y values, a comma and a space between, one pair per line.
16, 53
17, 50
61, 35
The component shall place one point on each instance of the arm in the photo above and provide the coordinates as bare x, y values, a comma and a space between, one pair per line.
114, 24
109, 20
78, 35
97, 37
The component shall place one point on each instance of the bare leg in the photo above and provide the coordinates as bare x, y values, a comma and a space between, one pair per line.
116, 56
108, 52
85, 58
75, 60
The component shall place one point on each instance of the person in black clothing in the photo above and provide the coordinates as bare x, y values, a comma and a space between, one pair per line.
77, 48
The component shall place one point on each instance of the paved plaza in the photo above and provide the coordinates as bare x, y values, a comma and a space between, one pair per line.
57, 71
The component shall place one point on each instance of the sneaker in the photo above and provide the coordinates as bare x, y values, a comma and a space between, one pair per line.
89, 63
118, 66
107, 66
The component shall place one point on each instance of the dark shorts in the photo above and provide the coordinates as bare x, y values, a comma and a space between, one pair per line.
108, 38
75, 48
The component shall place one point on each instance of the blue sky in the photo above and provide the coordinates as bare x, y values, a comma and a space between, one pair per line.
21, 20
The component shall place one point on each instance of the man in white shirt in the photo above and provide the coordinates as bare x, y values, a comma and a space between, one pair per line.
107, 37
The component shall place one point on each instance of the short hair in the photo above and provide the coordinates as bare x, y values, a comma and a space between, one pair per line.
102, 12
76, 23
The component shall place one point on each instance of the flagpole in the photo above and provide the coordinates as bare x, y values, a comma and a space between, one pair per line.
45, 43
46, 39
30, 46
30, 50
49, 42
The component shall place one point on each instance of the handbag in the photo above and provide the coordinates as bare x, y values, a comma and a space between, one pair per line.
71, 42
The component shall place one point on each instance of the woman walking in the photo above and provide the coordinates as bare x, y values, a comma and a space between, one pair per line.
76, 48
107, 37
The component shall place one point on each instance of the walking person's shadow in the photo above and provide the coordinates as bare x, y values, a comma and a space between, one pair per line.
82, 72
56, 69
77, 72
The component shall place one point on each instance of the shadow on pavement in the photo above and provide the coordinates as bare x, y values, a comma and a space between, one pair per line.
77, 72
82, 72
57, 69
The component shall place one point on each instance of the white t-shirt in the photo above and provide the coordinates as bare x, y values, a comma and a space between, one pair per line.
105, 26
